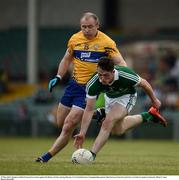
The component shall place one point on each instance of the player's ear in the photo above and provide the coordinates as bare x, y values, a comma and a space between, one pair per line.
97, 25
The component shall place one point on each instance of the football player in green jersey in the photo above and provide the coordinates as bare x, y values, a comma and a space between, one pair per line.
119, 85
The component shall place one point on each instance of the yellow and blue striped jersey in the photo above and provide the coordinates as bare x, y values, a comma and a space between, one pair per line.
87, 52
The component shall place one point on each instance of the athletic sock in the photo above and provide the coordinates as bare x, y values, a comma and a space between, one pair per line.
146, 116
94, 155
46, 157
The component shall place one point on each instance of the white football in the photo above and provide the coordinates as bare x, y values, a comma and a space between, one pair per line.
82, 156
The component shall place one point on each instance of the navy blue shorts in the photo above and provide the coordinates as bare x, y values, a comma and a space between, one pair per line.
75, 94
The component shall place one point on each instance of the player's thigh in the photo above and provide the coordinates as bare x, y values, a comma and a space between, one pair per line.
62, 113
117, 112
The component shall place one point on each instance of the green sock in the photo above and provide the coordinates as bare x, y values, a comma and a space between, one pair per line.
146, 116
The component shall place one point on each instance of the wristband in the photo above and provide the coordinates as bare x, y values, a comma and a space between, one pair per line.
58, 76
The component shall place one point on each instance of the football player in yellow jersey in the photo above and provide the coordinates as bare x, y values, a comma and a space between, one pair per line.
87, 53
84, 50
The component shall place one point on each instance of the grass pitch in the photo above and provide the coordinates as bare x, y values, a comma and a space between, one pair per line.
118, 157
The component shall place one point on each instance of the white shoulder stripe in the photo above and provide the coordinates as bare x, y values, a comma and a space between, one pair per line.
129, 76
138, 81
91, 81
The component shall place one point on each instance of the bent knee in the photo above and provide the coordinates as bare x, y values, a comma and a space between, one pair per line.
69, 126
107, 124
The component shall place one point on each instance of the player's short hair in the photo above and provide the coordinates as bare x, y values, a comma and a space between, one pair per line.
89, 15
106, 64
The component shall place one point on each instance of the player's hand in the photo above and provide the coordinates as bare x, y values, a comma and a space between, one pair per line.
79, 140
156, 103
53, 82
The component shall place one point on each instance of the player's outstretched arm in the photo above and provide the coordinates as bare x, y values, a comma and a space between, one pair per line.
86, 120
149, 91
62, 69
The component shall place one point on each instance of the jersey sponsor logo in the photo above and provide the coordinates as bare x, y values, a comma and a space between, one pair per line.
89, 56
85, 55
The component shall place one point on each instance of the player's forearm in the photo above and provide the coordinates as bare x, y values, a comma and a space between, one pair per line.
122, 61
148, 90
64, 64
63, 67
86, 120
119, 60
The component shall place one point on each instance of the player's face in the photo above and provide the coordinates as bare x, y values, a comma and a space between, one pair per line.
89, 27
105, 77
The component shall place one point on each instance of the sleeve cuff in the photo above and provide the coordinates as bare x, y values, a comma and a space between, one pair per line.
91, 97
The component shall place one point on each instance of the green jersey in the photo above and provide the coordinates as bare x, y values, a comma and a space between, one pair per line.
124, 82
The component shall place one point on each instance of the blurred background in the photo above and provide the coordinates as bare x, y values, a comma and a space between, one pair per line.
33, 38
